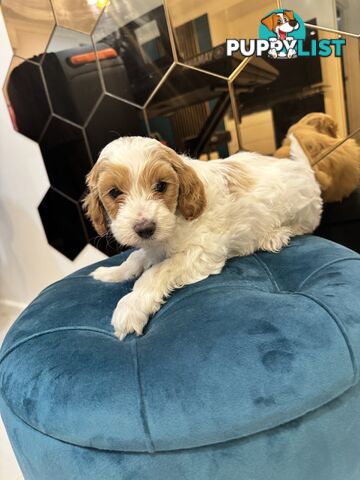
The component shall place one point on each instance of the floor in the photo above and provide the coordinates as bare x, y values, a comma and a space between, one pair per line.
9, 469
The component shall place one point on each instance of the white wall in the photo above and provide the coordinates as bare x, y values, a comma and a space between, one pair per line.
27, 262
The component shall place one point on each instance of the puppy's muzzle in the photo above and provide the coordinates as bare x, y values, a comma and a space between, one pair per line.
293, 23
145, 228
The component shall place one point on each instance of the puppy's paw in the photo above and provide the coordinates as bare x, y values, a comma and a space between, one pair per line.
128, 318
276, 240
108, 274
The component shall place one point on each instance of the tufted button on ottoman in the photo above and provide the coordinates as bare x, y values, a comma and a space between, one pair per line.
248, 375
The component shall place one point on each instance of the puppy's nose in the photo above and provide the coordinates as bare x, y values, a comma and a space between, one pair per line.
293, 23
145, 228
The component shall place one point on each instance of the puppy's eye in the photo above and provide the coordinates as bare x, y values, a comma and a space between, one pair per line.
160, 187
279, 21
114, 193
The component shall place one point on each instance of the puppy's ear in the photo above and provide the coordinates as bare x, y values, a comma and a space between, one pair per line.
192, 198
92, 204
270, 21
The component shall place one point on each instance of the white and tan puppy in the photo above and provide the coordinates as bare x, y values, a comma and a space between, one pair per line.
186, 217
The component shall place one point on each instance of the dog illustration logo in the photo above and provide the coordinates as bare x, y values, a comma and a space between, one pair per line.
281, 23
282, 35
284, 26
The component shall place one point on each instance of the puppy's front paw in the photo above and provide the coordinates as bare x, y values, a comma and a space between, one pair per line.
128, 318
276, 240
107, 274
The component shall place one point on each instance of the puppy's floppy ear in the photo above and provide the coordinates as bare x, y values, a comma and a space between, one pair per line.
270, 21
192, 198
92, 204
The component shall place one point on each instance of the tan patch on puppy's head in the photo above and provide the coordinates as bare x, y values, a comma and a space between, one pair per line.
191, 200
114, 185
159, 180
108, 185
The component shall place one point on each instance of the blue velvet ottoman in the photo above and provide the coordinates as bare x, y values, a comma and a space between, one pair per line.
250, 375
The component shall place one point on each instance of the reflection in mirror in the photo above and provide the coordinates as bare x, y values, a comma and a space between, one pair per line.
191, 112
335, 14
202, 27
340, 220
351, 79
26, 98
137, 37
29, 24
79, 15
71, 73
300, 86
62, 221
113, 118
66, 157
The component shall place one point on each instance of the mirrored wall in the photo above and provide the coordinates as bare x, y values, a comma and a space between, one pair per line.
87, 71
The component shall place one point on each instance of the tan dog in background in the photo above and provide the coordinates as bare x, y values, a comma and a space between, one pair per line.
338, 173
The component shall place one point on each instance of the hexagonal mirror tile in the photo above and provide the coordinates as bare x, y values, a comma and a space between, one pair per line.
26, 98
133, 45
29, 24
343, 16
71, 74
191, 112
201, 29
66, 157
273, 94
62, 221
113, 118
80, 15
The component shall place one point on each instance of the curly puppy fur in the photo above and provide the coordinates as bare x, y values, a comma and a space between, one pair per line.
187, 217
339, 172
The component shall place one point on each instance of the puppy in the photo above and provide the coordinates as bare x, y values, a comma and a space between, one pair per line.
338, 173
186, 217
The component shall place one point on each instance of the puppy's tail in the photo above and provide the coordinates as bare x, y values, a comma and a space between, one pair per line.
297, 152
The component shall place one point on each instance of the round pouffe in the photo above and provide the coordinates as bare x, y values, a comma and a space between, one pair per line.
251, 374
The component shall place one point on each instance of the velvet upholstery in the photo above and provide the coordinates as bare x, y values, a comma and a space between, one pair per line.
249, 374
